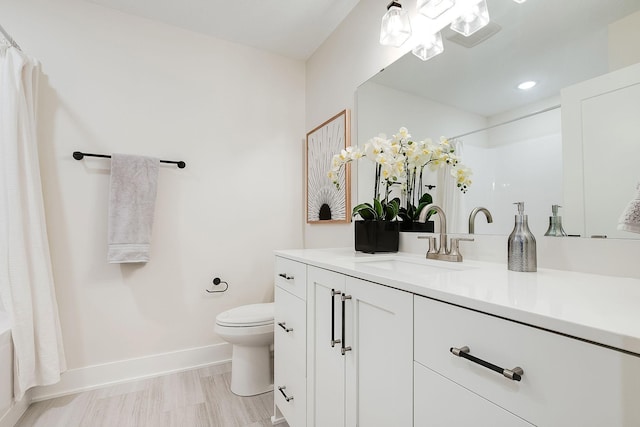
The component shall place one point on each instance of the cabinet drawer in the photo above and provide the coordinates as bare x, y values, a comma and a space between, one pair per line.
294, 383
565, 381
438, 402
290, 329
292, 276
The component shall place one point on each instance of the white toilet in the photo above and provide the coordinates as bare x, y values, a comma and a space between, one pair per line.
250, 329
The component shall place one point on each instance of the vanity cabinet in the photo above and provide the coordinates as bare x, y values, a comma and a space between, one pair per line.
565, 381
360, 352
290, 339
354, 352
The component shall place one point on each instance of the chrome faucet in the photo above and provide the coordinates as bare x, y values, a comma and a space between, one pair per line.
441, 251
472, 217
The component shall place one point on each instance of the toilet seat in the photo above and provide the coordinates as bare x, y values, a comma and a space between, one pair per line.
247, 316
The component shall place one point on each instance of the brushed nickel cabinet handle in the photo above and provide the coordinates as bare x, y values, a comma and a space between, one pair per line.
343, 349
334, 341
287, 398
514, 374
283, 326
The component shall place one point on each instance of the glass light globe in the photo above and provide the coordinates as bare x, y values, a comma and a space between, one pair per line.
430, 47
396, 28
476, 17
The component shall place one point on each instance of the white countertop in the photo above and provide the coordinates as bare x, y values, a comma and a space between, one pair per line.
597, 308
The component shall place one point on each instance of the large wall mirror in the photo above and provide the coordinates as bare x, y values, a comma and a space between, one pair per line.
572, 140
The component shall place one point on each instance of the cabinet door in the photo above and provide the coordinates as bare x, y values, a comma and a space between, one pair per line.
441, 402
379, 366
325, 381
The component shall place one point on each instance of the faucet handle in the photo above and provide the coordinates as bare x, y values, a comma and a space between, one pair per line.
455, 244
433, 249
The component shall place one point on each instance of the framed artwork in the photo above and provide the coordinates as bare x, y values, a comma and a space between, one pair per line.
325, 202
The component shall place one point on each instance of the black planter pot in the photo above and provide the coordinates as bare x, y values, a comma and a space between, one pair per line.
417, 227
377, 236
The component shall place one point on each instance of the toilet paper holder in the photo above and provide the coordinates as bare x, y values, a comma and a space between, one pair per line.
217, 282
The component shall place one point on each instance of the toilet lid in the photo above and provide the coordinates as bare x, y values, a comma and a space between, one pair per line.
247, 315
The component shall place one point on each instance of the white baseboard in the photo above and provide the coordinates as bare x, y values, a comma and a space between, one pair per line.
97, 376
11, 417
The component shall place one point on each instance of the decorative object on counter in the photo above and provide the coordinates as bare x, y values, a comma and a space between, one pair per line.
216, 282
379, 230
555, 223
630, 218
472, 218
521, 246
377, 236
417, 227
328, 203
399, 163
410, 214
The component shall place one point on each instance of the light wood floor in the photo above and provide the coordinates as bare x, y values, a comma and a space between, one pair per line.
198, 398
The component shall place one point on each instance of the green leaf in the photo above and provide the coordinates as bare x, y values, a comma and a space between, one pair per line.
366, 211
425, 198
378, 208
392, 209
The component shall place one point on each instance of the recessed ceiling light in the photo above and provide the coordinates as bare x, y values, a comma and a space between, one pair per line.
527, 85
519, 1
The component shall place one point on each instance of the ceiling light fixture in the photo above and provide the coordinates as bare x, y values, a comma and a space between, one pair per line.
434, 8
430, 47
527, 85
519, 1
396, 28
474, 18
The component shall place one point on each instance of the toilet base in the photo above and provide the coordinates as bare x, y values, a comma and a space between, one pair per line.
251, 371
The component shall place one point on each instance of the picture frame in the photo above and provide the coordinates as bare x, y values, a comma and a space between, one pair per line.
327, 203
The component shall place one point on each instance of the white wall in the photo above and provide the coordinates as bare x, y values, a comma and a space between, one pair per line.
117, 83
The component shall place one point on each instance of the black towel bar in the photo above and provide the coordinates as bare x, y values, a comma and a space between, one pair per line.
79, 156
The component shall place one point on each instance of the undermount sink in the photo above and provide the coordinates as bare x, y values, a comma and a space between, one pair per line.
410, 266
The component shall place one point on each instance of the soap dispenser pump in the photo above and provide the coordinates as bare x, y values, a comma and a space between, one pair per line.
521, 247
555, 223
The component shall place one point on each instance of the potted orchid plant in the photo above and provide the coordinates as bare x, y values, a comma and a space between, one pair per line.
399, 165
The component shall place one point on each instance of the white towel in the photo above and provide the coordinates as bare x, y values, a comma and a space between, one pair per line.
132, 199
630, 218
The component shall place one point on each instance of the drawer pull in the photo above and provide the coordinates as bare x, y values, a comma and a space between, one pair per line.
285, 276
283, 326
334, 341
514, 374
343, 349
287, 398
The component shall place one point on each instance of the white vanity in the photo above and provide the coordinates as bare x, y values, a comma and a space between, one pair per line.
369, 340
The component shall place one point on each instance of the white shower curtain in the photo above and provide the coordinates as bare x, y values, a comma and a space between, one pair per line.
26, 280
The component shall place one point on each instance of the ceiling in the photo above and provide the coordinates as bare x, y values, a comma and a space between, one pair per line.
293, 28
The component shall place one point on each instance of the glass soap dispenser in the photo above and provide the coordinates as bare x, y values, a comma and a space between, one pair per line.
555, 223
521, 246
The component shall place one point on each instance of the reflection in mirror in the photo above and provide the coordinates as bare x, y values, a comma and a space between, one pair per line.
467, 89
